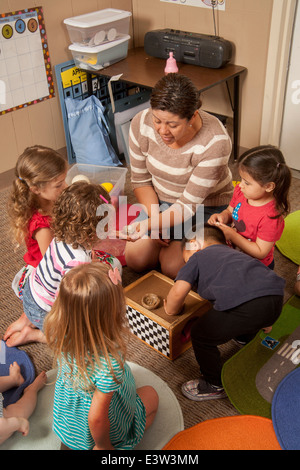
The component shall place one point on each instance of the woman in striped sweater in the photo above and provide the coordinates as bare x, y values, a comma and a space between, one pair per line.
179, 172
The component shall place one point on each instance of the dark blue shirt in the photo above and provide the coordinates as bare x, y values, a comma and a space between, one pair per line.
228, 277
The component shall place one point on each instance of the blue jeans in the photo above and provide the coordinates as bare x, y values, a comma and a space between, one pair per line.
31, 309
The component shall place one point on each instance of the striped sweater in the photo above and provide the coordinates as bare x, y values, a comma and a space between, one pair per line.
59, 258
196, 173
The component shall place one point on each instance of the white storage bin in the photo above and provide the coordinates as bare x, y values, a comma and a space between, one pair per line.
93, 29
98, 57
101, 174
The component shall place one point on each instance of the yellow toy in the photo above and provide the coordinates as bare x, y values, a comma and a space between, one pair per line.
107, 186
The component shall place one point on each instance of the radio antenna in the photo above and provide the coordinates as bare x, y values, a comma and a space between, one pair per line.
214, 4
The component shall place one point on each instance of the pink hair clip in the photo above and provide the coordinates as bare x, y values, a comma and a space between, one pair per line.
103, 198
114, 276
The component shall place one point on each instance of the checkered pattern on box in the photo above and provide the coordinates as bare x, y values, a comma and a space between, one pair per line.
148, 330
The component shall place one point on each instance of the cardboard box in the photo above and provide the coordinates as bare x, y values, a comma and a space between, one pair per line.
168, 335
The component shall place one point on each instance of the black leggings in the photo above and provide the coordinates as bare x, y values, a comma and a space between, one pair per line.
217, 327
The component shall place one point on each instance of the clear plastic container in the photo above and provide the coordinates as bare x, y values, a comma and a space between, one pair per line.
99, 27
98, 57
101, 174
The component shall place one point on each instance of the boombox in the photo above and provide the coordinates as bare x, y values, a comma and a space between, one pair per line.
191, 48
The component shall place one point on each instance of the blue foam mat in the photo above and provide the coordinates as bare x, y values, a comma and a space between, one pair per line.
286, 411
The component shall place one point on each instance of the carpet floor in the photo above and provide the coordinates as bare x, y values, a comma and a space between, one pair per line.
173, 373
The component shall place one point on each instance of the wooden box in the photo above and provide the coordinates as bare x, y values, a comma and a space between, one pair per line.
168, 335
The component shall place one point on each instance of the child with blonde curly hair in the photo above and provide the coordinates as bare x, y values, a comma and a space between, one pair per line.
40, 178
96, 403
74, 223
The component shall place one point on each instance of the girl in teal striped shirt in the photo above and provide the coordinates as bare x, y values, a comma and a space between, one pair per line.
96, 403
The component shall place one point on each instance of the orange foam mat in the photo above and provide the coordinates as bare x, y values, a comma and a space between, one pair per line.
244, 432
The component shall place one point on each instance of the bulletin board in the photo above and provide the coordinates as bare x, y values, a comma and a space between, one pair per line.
25, 68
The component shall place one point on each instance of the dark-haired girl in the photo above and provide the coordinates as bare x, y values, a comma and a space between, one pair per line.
259, 204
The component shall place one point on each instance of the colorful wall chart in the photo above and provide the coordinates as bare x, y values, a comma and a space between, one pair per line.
25, 68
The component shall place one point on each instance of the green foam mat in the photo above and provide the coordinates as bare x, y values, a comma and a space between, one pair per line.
289, 243
251, 376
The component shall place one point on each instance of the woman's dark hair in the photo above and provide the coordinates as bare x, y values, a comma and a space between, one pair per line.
266, 164
176, 94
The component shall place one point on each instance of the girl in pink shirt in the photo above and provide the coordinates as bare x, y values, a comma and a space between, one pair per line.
259, 203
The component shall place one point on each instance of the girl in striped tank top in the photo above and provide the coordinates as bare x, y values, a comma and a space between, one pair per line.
75, 222
96, 403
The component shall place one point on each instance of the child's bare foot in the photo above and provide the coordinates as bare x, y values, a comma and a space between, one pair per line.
15, 374
27, 335
24, 426
13, 379
18, 325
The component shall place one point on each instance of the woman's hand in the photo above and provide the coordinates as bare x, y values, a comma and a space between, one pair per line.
135, 231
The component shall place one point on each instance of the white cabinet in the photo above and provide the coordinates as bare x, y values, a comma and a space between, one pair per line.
290, 133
